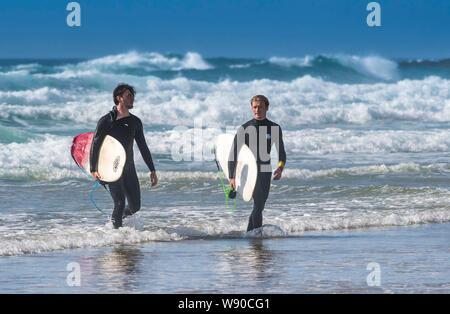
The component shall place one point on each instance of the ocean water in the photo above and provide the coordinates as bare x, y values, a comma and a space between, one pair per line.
388, 260
367, 141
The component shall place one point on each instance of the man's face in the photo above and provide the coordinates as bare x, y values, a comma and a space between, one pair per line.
259, 109
127, 99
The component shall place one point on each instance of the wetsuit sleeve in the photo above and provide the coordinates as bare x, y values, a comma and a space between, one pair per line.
97, 140
237, 145
232, 159
280, 149
143, 148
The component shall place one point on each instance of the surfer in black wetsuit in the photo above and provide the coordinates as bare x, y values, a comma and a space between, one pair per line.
125, 127
252, 134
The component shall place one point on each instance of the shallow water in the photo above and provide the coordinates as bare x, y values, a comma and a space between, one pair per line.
411, 259
365, 150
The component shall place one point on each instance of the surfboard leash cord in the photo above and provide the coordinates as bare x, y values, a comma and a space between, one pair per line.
92, 199
228, 189
93, 189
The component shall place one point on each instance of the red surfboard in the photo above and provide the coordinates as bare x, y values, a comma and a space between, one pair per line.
81, 149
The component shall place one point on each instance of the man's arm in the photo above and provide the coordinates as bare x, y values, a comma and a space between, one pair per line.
281, 156
97, 140
232, 159
240, 139
232, 163
145, 152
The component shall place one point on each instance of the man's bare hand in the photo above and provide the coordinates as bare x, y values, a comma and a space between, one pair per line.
154, 178
233, 183
277, 173
96, 175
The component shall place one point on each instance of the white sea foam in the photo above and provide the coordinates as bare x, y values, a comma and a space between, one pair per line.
31, 97
151, 61
310, 141
240, 66
69, 237
49, 173
52, 151
358, 220
202, 225
371, 65
266, 231
335, 140
15, 73
301, 62
106, 68
20, 70
363, 170
303, 101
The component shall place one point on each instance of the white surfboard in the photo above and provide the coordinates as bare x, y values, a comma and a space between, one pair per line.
246, 168
111, 159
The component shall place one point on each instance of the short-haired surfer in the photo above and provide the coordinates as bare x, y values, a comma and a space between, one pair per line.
259, 128
126, 128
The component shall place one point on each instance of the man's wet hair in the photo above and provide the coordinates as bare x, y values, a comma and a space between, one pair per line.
260, 98
120, 89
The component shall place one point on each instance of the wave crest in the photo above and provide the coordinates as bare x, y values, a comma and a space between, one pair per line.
151, 61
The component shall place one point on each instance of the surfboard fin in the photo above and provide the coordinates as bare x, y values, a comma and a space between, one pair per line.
232, 194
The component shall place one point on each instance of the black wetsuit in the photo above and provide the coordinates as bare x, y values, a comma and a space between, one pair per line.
252, 134
125, 130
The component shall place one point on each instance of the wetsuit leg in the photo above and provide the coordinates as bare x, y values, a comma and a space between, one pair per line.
127, 187
132, 193
118, 195
260, 195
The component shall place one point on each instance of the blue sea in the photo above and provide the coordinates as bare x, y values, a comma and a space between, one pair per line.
367, 178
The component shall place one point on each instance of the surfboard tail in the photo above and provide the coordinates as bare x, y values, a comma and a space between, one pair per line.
80, 149
246, 168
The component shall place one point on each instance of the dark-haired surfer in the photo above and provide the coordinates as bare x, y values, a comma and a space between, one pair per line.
125, 127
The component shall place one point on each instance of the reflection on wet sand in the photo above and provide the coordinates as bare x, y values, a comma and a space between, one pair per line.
250, 266
119, 268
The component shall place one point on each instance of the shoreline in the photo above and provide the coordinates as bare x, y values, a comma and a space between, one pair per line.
407, 259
